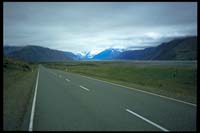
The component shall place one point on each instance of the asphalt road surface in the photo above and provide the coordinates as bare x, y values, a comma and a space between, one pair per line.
70, 102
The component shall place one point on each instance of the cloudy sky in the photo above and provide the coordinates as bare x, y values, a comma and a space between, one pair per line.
81, 27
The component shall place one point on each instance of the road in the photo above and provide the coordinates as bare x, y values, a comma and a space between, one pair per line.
70, 102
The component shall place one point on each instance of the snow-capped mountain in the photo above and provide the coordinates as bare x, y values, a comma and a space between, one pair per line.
108, 54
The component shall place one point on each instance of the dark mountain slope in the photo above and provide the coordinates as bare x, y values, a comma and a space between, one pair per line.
40, 54
177, 49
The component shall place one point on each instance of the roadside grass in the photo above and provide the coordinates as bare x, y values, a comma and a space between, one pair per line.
173, 79
18, 83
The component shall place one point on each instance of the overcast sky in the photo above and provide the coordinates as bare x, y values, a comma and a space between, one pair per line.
81, 27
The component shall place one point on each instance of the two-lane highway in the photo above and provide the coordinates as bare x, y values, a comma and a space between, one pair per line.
70, 102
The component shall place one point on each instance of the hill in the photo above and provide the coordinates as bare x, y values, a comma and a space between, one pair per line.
177, 49
38, 54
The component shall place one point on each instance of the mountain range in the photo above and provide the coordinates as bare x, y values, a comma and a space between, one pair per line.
37, 54
177, 49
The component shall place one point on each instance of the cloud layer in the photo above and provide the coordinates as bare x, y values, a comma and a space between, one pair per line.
80, 27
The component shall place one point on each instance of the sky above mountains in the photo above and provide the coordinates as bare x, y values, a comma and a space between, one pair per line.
79, 27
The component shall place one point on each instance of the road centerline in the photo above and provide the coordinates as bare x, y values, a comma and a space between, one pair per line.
67, 79
84, 88
150, 122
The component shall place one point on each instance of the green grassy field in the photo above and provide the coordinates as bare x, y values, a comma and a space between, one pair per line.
177, 79
18, 84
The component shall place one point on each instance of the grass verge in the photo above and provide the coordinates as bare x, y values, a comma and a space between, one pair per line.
18, 83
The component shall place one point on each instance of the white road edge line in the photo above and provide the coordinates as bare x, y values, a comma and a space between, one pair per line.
33, 105
84, 88
67, 80
143, 91
152, 123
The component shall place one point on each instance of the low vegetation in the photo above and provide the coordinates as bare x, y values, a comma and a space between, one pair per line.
18, 84
177, 79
